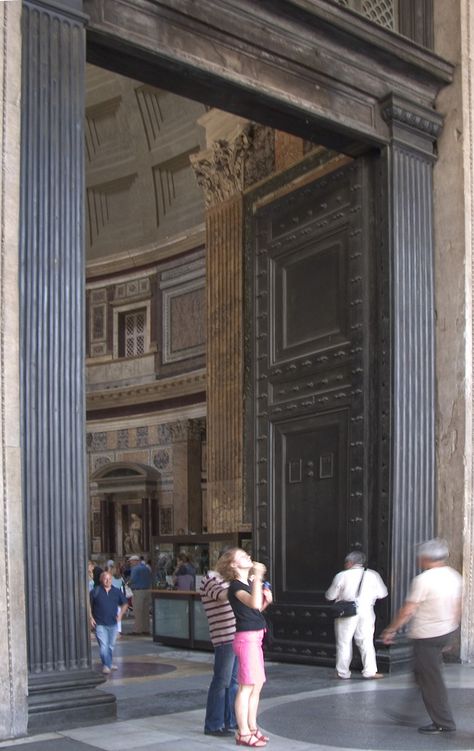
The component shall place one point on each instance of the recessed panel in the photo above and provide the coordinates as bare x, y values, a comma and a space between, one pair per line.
309, 298
311, 495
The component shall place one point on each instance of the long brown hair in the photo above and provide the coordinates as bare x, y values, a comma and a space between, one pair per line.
224, 564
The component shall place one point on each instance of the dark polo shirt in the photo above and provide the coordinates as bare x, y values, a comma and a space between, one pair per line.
104, 605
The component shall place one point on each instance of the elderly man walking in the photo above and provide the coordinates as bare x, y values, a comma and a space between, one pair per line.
433, 611
363, 586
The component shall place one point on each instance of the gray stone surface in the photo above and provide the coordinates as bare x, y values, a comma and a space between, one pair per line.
454, 228
303, 708
13, 679
381, 719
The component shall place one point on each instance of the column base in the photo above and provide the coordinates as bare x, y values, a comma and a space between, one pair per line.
62, 701
394, 659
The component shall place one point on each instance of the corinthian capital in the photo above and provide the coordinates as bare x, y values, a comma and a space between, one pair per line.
231, 165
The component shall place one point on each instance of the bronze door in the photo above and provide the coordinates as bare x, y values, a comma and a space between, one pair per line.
307, 464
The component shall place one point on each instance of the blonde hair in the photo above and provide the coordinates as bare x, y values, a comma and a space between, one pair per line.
224, 565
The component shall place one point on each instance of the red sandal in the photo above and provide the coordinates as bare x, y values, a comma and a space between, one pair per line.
260, 735
251, 740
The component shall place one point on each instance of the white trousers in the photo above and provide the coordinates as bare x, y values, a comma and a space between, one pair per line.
361, 628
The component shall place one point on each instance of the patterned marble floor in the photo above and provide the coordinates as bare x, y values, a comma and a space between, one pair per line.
161, 694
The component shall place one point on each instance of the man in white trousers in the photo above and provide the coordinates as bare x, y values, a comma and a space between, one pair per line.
360, 627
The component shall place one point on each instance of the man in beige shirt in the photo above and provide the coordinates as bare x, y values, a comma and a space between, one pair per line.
433, 610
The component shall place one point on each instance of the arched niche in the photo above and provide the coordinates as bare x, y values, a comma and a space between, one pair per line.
128, 495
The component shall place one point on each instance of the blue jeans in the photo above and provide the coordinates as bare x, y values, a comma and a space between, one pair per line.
221, 696
106, 636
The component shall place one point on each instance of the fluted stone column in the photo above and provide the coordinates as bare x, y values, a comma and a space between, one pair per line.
13, 671
61, 682
407, 343
240, 154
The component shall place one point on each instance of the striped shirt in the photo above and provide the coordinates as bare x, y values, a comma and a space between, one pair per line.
219, 613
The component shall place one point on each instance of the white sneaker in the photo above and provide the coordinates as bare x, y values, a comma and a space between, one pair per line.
114, 667
105, 670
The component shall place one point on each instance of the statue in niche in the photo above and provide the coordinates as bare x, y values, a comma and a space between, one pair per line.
127, 545
135, 533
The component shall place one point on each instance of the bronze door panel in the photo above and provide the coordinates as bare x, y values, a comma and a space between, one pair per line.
310, 514
307, 463
309, 297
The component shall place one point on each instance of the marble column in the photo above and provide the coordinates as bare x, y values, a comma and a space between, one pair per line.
407, 342
187, 505
13, 660
61, 681
239, 153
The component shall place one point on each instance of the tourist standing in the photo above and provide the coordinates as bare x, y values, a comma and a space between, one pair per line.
140, 584
363, 586
248, 599
220, 714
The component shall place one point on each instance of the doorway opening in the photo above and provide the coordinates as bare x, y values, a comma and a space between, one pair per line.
220, 259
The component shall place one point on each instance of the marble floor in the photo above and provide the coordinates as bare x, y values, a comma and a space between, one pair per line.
161, 693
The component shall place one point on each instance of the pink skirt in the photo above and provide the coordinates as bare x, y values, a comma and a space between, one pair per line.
249, 652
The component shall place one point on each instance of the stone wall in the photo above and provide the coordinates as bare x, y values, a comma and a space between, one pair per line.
13, 674
173, 447
170, 299
454, 223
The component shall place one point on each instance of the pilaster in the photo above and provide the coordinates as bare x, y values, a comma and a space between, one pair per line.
231, 164
407, 341
52, 386
13, 681
187, 499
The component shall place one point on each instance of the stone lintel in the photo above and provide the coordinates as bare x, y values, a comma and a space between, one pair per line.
308, 66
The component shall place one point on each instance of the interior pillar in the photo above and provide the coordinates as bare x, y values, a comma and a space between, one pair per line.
239, 153
406, 346
61, 681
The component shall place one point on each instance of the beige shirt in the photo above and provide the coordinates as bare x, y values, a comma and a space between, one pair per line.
437, 592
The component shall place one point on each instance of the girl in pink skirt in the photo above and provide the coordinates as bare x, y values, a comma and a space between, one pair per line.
248, 598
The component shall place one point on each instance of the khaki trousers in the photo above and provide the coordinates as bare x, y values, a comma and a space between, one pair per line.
141, 610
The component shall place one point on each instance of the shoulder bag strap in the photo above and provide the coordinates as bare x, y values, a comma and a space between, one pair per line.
360, 583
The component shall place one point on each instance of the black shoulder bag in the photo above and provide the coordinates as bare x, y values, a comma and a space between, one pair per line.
347, 608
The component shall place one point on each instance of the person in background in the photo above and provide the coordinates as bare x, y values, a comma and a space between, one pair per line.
96, 573
248, 598
433, 611
90, 574
220, 714
185, 573
118, 582
360, 627
140, 583
108, 605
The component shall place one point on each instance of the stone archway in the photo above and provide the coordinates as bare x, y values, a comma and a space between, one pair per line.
128, 498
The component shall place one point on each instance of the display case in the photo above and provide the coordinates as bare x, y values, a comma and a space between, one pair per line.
202, 550
179, 619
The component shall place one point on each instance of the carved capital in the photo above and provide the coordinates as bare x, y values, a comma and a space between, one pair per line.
412, 120
229, 167
179, 431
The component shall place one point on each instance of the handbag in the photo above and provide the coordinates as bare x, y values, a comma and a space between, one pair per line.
347, 608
